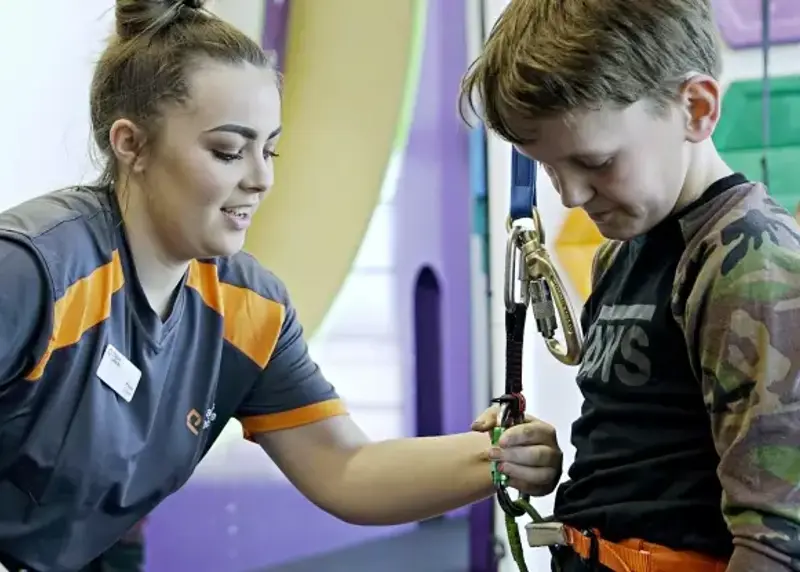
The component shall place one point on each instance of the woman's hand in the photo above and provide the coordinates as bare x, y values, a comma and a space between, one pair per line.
528, 453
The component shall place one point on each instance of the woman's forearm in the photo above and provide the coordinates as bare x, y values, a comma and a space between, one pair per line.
406, 480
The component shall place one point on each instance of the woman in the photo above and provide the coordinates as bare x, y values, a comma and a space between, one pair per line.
134, 327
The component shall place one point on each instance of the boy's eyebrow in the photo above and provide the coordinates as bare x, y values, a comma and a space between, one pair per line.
591, 154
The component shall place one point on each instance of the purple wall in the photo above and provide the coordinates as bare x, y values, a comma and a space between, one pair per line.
433, 213
213, 526
740, 22
237, 526
273, 39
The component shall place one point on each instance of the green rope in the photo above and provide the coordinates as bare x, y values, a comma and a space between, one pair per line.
513, 532
523, 506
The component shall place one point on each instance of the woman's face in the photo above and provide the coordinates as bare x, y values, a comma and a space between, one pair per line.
206, 173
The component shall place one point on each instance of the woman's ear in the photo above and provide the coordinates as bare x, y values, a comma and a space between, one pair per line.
128, 143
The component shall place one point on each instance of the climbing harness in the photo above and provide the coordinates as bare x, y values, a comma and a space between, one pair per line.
530, 280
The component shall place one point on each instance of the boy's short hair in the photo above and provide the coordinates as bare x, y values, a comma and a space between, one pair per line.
546, 57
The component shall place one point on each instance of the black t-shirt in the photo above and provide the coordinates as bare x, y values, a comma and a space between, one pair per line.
645, 464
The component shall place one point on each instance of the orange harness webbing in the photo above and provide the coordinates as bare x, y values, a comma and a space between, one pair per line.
635, 555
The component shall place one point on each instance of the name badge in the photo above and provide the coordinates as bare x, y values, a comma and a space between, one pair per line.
118, 373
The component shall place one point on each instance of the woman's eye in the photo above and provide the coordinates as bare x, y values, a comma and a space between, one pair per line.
270, 154
226, 157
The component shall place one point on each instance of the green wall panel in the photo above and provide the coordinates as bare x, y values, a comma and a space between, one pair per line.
739, 134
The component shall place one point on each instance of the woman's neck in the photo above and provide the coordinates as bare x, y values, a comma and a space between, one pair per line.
159, 273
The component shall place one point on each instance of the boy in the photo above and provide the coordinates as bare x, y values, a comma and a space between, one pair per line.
687, 446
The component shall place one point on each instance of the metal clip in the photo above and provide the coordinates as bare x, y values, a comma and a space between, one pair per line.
545, 290
545, 534
516, 290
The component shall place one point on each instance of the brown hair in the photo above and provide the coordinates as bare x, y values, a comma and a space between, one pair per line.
546, 57
148, 60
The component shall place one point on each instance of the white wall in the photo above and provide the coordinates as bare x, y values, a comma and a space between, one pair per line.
550, 387
46, 66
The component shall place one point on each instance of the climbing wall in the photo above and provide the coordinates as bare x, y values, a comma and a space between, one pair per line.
740, 134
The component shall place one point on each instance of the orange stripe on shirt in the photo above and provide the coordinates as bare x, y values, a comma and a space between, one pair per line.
251, 323
85, 304
293, 417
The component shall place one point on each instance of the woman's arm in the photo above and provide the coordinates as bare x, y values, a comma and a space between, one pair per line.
404, 480
295, 414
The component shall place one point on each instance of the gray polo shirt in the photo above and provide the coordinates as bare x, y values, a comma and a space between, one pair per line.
105, 409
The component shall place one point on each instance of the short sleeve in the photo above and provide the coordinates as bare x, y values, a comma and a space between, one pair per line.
24, 304
291, 391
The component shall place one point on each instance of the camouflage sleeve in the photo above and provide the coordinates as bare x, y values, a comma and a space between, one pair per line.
603, 257
738, 301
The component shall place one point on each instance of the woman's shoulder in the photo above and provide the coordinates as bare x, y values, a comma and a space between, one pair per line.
67, 229
47, 213
243, 271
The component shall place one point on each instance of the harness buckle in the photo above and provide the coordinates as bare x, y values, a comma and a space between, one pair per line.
545, 534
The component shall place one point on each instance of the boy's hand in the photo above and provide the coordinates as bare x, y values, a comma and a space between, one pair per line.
528, 453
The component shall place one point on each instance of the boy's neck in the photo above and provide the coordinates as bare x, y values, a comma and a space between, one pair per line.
706, 167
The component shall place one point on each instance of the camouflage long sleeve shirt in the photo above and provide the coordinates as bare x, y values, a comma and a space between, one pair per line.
737, 300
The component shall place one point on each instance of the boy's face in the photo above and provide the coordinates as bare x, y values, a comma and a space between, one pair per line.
625, 167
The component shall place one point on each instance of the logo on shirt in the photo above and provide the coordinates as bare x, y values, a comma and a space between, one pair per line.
615, 345
197, 422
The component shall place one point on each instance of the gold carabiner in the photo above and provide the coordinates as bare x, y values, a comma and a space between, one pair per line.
546, 293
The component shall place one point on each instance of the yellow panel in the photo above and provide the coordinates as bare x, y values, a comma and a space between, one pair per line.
346, 64
575, 245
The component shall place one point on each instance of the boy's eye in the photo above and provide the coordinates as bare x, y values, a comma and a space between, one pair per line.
596, 166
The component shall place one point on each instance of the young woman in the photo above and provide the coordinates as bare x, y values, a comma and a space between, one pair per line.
133, 327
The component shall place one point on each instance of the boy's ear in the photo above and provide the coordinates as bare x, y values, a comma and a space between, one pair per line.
701, 101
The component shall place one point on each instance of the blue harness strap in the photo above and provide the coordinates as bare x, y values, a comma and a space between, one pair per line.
523, 186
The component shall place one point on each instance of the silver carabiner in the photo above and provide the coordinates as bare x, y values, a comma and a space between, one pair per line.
516, 288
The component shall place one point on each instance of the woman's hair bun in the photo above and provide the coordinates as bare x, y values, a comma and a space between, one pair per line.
136, 17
